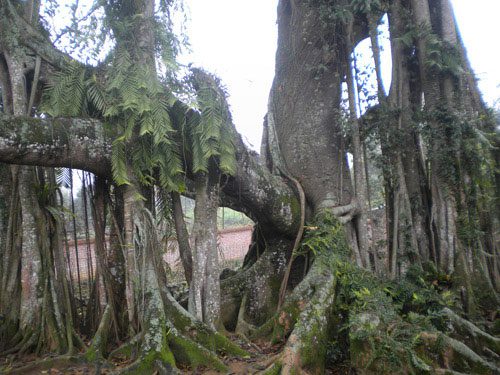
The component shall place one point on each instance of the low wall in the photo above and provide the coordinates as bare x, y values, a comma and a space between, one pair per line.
232, 243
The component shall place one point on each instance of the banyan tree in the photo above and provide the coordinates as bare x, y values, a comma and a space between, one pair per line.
423, 299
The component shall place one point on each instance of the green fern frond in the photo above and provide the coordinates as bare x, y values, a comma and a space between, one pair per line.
209, 129
63, 177
170, 168
119, 164
65, 92
227, 159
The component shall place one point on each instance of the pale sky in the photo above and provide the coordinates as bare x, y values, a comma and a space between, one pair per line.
480, 29
236, 40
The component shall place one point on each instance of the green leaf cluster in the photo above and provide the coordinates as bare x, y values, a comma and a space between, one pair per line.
66, 92
440, 57
148, 119
382, 321
325, 236
139, 107
210, 129
332, 12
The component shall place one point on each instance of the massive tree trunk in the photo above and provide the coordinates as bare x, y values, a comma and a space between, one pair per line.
304, 103
453, 113
409, 226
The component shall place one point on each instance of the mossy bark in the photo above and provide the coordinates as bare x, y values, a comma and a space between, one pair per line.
168, 333
204, 293
260, 282
97, 350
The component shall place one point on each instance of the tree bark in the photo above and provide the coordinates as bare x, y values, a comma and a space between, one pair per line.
182, 237
204, 301
304, 98
360, 187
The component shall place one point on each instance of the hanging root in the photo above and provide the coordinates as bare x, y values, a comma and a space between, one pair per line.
298, 238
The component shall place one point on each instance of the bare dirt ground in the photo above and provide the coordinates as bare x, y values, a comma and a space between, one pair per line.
262, 357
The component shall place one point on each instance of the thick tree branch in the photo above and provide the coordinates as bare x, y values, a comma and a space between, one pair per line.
34, 39
85, 144
61, 142
272, 201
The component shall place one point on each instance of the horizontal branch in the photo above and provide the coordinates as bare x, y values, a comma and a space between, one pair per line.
271, 200
82, 143
62, 142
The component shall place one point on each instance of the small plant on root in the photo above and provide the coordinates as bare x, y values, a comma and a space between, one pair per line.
382, 333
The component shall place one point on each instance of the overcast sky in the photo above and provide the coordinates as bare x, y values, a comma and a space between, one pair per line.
236, 40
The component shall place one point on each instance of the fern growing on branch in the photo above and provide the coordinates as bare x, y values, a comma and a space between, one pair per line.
211, 131
131, 100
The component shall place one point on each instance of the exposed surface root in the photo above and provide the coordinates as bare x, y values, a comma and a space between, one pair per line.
43, 365
244, 328
456, 356
188, 326
97, 349
480, 341
376, 336
282, 323
306, 346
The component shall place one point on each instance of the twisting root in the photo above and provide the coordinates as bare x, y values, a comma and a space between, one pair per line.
298, 238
